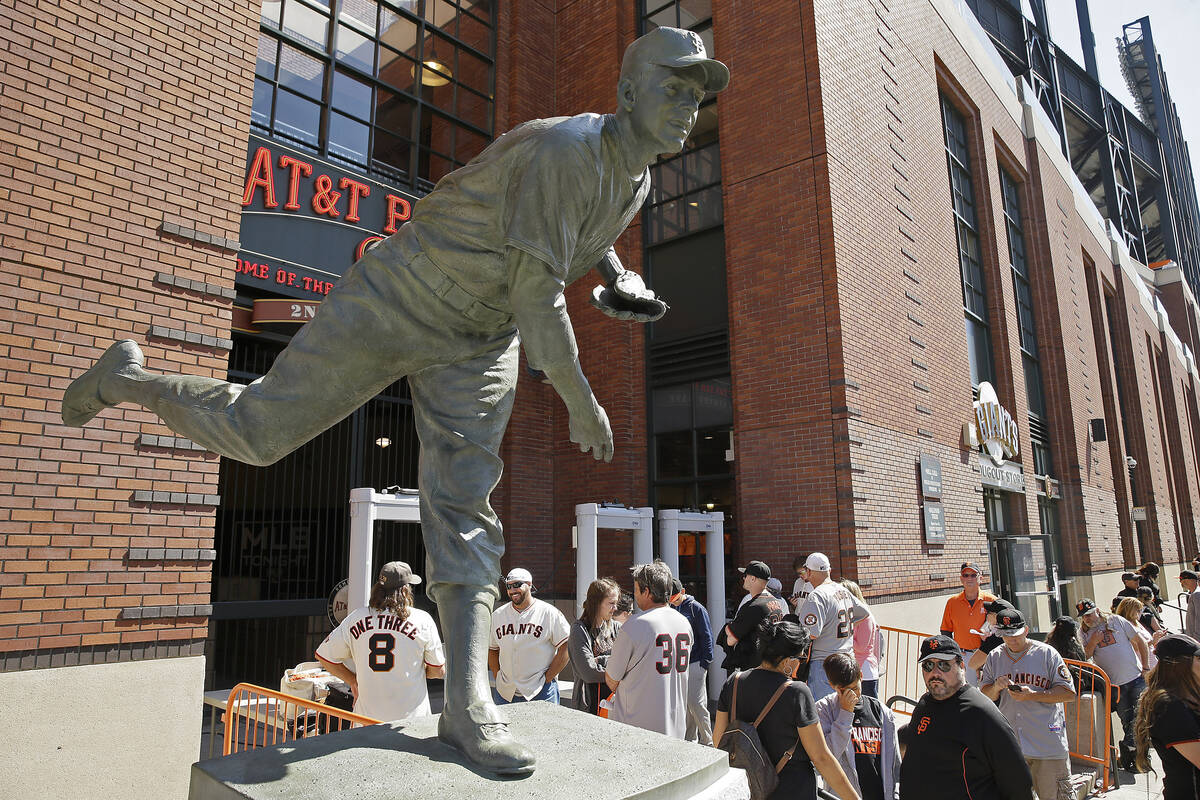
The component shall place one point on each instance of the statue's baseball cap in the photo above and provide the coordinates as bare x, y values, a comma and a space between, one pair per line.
397, 573
757, 569
677, 49
942, 648
1176, 645
819, 562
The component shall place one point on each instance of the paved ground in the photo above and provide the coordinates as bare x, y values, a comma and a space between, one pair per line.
1138, 787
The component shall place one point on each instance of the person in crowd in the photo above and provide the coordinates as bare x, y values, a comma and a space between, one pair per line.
829, 614
990, 639
1150, 618
1131, 609
528, 645
802, 586
958, 746
1031, 683
775, 587
1064, 637
741, 651
867, 639
965, 614
591, 642
860, 730
1196, 564
1131, 580
1168, 717
648, 667
1190, 581
1149, 573
393, 646
625, 608
1113, 643
790, 731
699, 726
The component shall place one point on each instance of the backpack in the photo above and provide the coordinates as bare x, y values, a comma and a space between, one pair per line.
746, 751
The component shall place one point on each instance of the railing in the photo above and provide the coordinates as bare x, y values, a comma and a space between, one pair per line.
1093, 707
260, 717
1090, 742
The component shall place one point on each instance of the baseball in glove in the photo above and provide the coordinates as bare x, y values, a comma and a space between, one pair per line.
628, 298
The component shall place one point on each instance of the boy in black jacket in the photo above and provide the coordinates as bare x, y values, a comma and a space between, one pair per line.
957, 740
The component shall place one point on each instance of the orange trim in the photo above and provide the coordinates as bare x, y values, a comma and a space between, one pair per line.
966, 786
259, 717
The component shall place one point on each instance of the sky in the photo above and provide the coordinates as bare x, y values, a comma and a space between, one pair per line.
1176, 28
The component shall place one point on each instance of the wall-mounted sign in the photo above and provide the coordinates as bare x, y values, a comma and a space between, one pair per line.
338, 603
935, 523
995, 428
931, 476
1139, 514
1007, 477
305, 220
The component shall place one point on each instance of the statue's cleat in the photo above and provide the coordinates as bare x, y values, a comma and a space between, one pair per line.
82, 400
488, 745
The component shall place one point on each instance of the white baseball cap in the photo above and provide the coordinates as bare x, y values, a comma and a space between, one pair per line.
819, 562
518, 574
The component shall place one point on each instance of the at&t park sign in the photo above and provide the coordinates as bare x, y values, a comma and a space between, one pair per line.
305, 220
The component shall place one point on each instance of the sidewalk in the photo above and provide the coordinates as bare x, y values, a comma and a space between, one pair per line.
1147, 786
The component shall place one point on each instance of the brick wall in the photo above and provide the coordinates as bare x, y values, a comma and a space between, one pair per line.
122, 141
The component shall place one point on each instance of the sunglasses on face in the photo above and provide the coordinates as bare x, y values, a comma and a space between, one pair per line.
971, 575
944, 666
515, 585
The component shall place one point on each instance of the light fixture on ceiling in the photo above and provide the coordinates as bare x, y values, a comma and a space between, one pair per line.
433, 72
694, 204
383, 441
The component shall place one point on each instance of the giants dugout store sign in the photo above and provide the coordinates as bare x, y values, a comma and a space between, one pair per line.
305, 221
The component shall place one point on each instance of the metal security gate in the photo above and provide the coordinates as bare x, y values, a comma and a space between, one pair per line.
282, 532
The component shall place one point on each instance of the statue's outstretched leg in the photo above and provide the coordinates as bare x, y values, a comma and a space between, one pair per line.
461, 412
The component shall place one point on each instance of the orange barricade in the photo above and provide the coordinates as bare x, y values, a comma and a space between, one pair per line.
901, 676
1089, 718
259, 717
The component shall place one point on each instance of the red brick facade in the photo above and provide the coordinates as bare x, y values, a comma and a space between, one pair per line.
122, 148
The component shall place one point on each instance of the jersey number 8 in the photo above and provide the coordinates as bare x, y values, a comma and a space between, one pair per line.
380, 657
674, 653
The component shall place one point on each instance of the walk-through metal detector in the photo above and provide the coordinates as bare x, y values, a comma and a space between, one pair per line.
367, 506
589, 518
671, 522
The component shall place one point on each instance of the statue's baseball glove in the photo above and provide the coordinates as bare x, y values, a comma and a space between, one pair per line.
628, 298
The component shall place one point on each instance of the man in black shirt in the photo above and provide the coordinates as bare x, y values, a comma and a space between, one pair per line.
958, 741
738, 637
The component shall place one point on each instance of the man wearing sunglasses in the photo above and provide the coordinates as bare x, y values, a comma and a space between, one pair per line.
958, 741
965, 614
528, 644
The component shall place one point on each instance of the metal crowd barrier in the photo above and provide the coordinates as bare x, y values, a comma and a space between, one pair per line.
1089, 718
260, 717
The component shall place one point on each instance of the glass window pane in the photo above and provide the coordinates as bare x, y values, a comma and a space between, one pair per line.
397, 70
677, 496
672, 408
441, 15
439, 166
301, 72
359, 14
467, 145
306, 24
704, 132
390, 149
270, 12
694, 11
713, 400
673, 455
474, 109
668, 178
355, 49
475, 33
260, 112
394, 112
397, 31
663, 18
351, 95
264, 65
474, 72
348, 138
297, 117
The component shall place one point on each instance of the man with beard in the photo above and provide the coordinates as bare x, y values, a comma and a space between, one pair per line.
958, 742
529, 644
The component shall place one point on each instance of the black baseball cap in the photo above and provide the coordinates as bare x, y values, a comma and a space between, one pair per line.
757, 569
997, 605
1187, 573
942, 648
1176, 645
1085, 606
1130, 576
1010, 622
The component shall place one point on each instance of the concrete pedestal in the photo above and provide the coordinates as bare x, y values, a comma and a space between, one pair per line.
579, 756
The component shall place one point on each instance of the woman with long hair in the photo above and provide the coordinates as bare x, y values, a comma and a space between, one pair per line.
1168, 717
866, 644
791, 727
1151, 620
1131, 610
592, 637
1149, 573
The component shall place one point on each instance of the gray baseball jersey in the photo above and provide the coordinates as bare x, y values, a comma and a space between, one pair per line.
650, 658
1191, 620
829, 613
1040, 727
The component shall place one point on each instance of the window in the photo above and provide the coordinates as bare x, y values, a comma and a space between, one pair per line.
970, 261
400, 88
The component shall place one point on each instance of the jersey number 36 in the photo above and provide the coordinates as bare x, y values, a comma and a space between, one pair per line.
674, 652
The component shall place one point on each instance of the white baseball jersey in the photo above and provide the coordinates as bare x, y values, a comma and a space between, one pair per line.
389, 657
801, 589
526, 641
1040, 727
829, 613
650, 658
